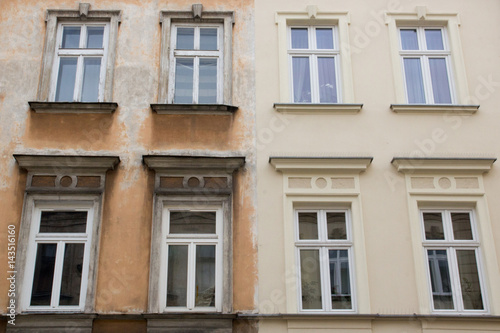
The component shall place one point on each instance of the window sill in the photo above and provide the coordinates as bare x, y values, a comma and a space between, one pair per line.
73, 107
318, 108
217, 109
435, 108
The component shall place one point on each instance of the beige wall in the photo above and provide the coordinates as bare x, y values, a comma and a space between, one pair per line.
131, 131
379, 132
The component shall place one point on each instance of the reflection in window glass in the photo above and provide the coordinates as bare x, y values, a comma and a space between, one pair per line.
208, 39
336, 225
66, 79
469, 280
308, 226
208, 81
72, 274
433, 224
300, 39
91, 75
340, 284
185, 39
205, 276
71, 38
44, 274
177, 275
310, 279
184, 80
95, 37
440, 279
409, 40
189, 222
62, 221
462, 229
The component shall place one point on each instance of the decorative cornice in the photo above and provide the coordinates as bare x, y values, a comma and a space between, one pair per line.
443, 164
345, 164
318, 108
169, 163
42, 163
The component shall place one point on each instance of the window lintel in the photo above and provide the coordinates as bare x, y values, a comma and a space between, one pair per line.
41, 163
294, 163
433, 164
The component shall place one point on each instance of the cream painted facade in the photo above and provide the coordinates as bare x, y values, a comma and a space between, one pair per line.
382, 159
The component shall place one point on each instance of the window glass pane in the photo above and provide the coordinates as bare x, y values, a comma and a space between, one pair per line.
433, 224
44, 274
300, 39
72, 274
71, 38
188, 222
409, 39
324, 38
185, 39
308, 226
208, 39
327, 83
440, 279
208, 81
94, 37
310, 279
339, 279
63, 222
91, 75
469, 280
439, 79
301, 80
183, 80
461, 226
177, 275
66, 79
336, 225
205, 275
414, 83
434, 39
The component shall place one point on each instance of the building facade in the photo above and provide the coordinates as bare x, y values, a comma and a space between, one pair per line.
249, 166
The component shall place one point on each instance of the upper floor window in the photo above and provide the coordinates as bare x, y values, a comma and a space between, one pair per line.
324, 251
196, 62
425, 57
80, 62
452, 249
313, 54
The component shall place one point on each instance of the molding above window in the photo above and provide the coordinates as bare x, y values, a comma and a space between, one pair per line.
82, 14
323, 164
162, 163
34, 163
217, 109
442, 164
73, 107
196, 15
435, 108
421, 17
314, 108
312, 16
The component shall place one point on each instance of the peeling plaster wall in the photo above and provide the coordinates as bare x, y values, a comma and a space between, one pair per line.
131, 131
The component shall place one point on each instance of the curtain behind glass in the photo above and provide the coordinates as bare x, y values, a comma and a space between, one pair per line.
414, 82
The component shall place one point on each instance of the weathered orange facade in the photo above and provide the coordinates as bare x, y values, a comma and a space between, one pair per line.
130, 132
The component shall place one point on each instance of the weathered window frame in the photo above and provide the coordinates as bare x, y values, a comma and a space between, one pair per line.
196, 17
45, 95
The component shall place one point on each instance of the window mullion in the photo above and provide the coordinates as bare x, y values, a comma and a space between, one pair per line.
191, 278
313, 64
58, 269
323, 264
455, 278
78, 79
196, 79
426, 73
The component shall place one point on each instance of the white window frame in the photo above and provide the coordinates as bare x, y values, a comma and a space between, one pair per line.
196, 54
313, 53
191, 240
36, 238
81, 53
323, 244
424, 55
451, 246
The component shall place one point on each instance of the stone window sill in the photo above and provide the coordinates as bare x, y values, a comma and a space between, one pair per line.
73, 107
318, 108
435, 108
217, 109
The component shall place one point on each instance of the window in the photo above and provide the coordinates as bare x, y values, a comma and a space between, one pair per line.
425, 57
313, 53
193, 256
80, 62
324, 252
58, 257
452, 249
196, 55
